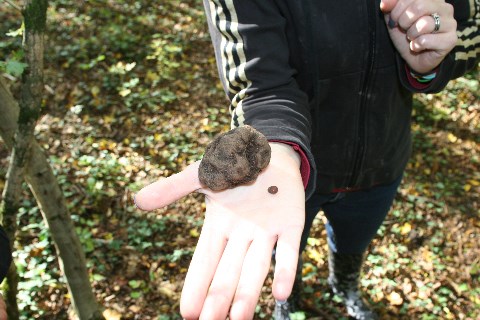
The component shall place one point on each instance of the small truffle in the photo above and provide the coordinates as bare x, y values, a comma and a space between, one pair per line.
272, 189
233, 158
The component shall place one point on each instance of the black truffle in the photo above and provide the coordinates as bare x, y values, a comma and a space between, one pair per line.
272, 189
233, 158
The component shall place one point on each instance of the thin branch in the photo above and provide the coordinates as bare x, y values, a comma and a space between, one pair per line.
13, 5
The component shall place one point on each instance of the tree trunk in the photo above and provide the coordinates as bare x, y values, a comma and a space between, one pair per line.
29, 160
8, 215
30, 102
48, 194
11, 290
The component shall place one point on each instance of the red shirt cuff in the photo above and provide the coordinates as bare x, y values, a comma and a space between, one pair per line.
304, 164
413, 82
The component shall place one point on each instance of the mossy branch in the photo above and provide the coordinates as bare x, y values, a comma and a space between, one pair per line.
35, 15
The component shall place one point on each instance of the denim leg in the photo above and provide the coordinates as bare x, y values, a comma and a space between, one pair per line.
353, 217
312, 208
354, 220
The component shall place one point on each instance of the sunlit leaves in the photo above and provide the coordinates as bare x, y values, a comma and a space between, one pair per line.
136, 97
121, 67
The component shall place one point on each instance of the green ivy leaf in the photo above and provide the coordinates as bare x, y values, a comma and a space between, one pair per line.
15, 68
135, 284
299, 315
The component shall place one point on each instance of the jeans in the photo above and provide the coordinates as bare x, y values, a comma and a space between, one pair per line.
353, 217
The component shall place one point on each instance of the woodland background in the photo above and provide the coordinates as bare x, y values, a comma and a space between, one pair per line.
132, 95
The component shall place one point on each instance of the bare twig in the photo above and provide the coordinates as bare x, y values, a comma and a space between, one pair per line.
9, 76
13, 5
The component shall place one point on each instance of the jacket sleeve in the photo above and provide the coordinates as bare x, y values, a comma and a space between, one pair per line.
252, 56
464, 56
5, 254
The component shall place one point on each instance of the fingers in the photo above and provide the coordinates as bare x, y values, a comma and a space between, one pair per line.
254, 271
165, 191
387, 5
442, 44
207, 254
224, 283
414, 16
242, 268
286, 259
426, 25
418, 15
422, 40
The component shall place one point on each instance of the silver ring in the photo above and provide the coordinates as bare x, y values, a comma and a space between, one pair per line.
436, 18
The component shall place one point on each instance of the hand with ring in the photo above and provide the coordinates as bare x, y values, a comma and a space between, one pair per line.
423, 31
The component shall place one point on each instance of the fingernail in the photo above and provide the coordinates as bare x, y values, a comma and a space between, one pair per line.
280, 302
391, 23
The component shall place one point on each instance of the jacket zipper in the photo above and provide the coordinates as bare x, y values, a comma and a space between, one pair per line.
360, 145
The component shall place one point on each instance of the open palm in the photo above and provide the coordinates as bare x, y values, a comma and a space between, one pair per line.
241, 228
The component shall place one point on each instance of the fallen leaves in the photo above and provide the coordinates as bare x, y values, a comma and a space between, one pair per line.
395, 299
134, 127
111, 314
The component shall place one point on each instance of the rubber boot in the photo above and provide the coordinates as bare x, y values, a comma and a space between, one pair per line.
344, 279
281, 311
284, 308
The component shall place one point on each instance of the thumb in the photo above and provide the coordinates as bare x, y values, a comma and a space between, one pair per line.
387, 5
165, 191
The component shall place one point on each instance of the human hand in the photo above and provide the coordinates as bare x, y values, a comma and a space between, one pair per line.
241, 227
3, 309
411, 28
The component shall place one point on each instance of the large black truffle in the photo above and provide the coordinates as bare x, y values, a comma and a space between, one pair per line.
233, 158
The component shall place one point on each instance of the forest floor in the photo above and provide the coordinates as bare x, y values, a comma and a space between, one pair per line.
132, 95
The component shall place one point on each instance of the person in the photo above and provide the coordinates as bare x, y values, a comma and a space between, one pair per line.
330, 84
5, 261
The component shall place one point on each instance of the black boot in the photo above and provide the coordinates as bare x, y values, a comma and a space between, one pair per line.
281, 311
284, 308
344, 280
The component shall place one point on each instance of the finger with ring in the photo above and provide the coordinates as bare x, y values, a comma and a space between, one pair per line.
436, 19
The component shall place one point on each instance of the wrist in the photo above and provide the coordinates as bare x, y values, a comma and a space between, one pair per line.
419, 81
286, 153
423, 77
304, 163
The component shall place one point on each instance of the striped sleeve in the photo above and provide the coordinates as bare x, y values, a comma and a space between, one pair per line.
231, 52
468, 45
252, 54
465, 56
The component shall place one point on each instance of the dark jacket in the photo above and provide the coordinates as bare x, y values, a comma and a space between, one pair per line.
5, 254
325, 76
